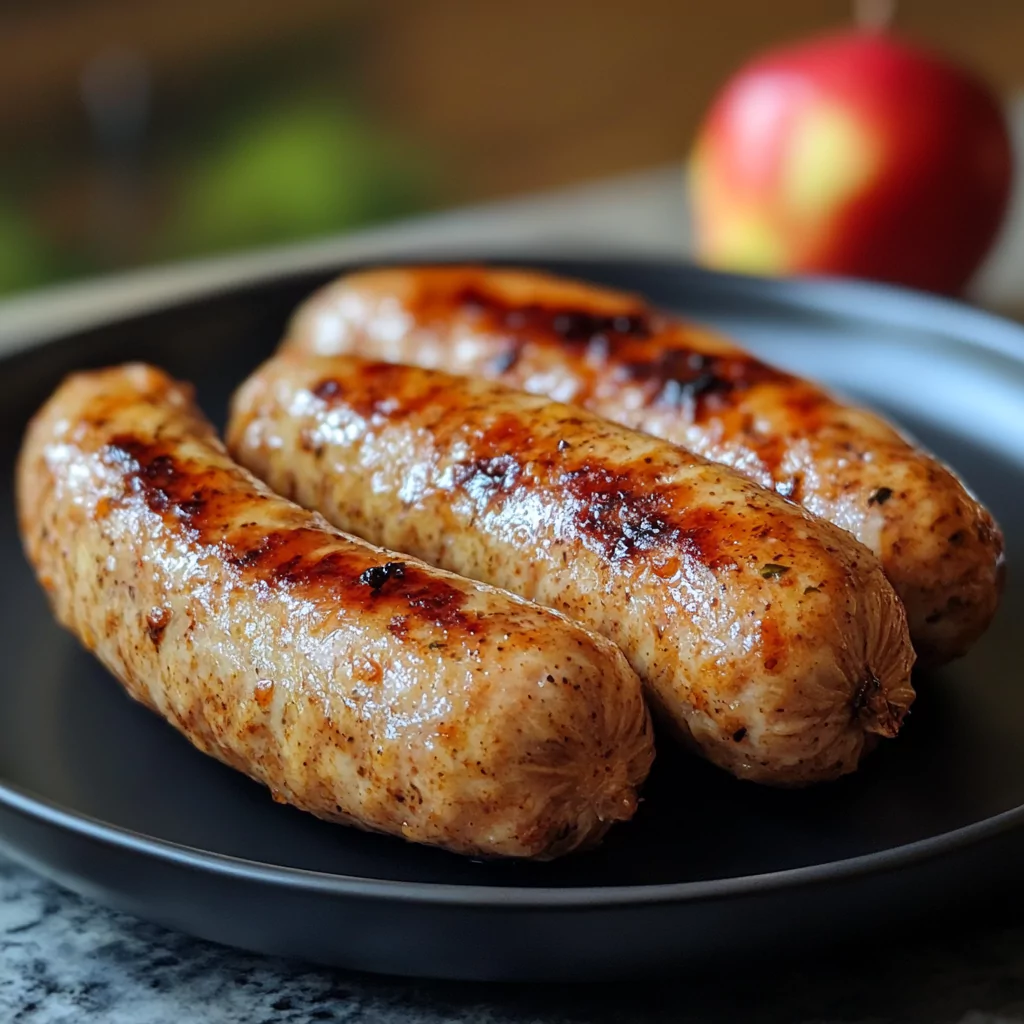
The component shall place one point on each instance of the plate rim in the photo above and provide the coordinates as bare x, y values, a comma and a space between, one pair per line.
47, 812
869, 302
892, 305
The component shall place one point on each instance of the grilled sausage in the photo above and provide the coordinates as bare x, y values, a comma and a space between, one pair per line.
769, 638
611, 353
359, 685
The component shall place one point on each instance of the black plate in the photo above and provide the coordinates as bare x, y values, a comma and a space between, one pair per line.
100, 794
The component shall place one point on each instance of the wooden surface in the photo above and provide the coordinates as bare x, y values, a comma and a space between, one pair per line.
511, 94
46, 45
534, 93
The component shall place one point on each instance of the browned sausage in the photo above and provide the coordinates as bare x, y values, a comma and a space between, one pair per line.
770, 638
359, 685
613, 354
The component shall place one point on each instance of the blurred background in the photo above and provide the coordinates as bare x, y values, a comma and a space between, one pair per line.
140, 132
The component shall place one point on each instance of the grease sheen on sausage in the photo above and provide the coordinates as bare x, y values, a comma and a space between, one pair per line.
612, 353
359, 685
768, 637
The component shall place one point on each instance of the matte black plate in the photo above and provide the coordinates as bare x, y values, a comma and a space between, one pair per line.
100, 794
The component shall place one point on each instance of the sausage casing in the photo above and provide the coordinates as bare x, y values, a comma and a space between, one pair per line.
613, 354
768, 637
359, 685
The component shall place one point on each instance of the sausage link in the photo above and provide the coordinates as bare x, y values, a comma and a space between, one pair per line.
613, 354
769, 638
357, 684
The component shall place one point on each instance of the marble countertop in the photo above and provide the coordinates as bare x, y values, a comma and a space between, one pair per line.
64, 960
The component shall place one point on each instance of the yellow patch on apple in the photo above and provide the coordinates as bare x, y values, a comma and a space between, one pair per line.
829, 159
745, 241
730, 233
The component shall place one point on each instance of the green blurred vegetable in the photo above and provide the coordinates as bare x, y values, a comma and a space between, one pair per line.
292, 173
25, 258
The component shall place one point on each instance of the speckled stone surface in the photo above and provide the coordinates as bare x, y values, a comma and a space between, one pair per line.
64, 960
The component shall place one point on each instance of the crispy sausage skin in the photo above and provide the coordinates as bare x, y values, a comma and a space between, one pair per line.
613, 354
771, 639
357, 684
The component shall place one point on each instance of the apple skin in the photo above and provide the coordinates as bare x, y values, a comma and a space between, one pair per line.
855, 154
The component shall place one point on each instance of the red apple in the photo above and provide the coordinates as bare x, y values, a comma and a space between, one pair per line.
856, 154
